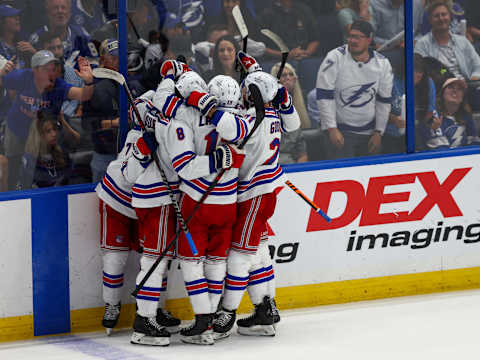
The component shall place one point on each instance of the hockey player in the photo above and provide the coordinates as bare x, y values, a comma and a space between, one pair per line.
354, 90
199, 151
118, 230
259, 176
157, 220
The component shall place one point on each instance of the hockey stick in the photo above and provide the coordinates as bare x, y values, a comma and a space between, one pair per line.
281, 45
104, 73
308, 201
141, 41
242, 28
284, 50
260, 114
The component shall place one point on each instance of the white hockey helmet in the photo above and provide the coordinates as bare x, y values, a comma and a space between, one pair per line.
266, 83
190, 81
226, 90
148, 112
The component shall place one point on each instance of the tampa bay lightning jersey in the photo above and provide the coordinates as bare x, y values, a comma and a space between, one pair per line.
354, 96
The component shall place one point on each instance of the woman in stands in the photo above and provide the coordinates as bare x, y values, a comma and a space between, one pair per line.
352, 10
293, 147
224, 55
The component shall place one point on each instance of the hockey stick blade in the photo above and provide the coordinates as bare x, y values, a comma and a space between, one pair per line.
237, 16
103, 73
276, 39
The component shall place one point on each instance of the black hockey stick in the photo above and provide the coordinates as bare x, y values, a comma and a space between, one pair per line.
260, 114
284, 50
119, 78
143, 42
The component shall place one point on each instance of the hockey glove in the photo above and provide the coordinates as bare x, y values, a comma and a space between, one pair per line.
173, 69
226, 156
147, 144
248, 63
282, 100
203, 102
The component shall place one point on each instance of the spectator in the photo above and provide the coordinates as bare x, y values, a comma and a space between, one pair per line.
295, 25
88, 14
255, 47
12, 44
75, 39
457, 12
454, 51
37, 89
353, 10
101, 114
203, 50
191, 13
180, 40
453, 127
425, 91
45, 163
472, 15
224, 55
293, 147
354, 88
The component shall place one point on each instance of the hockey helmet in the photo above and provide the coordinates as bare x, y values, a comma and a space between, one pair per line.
226, 90
266, 83
188, 82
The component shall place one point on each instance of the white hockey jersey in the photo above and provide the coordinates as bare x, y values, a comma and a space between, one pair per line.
354, 96
191, 138
115, 189
149, 189
260, 172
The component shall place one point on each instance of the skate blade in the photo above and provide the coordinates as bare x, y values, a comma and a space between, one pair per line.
257, 330
203, 339
109, 331
142, 339
220, 336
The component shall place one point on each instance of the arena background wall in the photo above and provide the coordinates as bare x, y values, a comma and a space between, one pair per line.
418, 216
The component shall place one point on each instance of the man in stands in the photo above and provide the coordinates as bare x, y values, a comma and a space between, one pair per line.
354, 88
454, 51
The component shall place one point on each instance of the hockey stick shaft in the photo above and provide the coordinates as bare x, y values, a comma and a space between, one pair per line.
308, 201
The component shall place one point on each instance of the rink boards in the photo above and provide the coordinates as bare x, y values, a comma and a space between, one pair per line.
401, 225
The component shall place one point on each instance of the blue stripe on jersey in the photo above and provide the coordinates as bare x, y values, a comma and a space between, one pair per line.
217, 190
365, 127
217, 115
269, 177
126, 193
325, 94
114, 196
386, 100
180, 161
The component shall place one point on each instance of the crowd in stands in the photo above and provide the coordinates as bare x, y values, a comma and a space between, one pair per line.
59, 126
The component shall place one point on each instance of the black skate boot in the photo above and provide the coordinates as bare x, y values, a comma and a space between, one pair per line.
275, 312
200, 332
110, 318
164, 318
223, 323
260, 323
147, 331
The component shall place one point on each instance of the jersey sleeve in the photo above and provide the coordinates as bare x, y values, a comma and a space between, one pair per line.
290, 120
384, 97
187, 164
134, 163
229, 126
326, 79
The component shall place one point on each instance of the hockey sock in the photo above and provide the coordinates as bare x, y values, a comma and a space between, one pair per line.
163, 294
196, 285
257, 279
215, 272
238, 265
113, 269
147, 297
267, 262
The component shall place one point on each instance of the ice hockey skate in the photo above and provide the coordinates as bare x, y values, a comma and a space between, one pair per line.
223, 323
260, 323
147, 331
275, 312
110, 318
171, 323
200, 332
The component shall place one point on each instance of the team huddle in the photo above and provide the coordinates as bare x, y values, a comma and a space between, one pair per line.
188, 161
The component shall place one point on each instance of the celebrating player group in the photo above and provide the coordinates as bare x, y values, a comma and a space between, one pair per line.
201, 164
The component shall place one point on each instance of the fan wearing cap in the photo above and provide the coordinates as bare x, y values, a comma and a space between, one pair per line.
38, 88
354, 89
453, 126
12, 44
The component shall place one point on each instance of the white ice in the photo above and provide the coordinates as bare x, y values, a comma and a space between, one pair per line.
438, 326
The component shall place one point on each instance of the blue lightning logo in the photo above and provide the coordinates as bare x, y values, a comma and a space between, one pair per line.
352, 96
